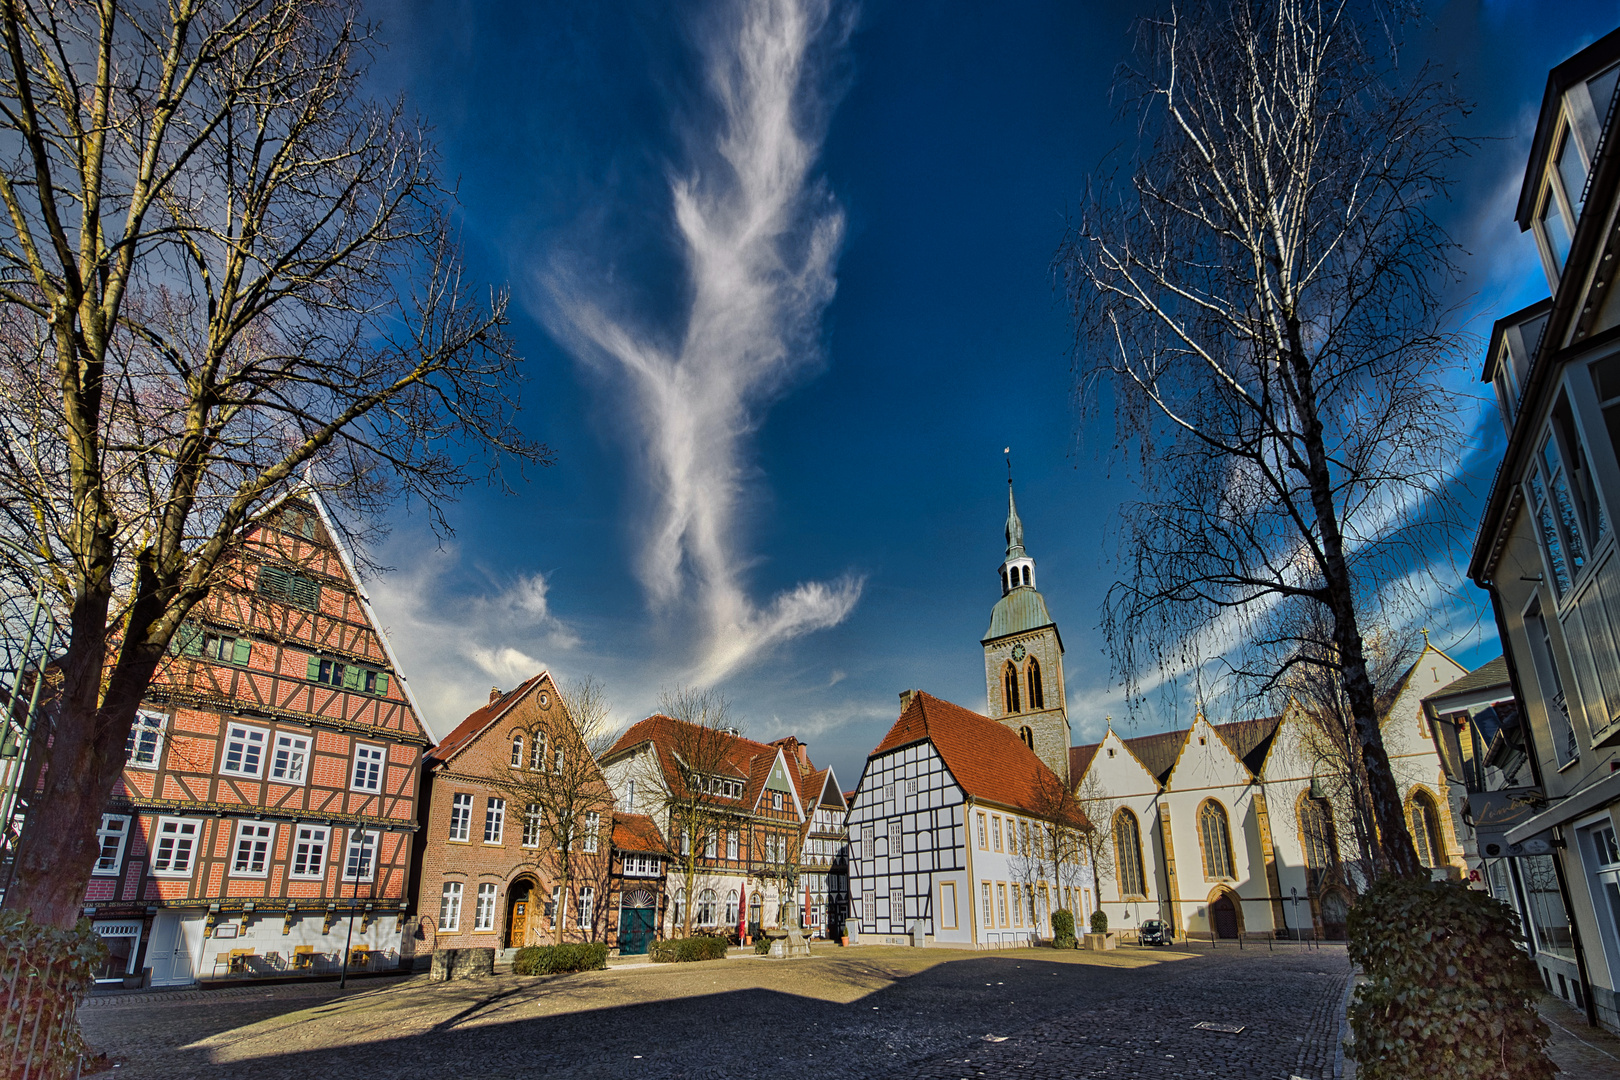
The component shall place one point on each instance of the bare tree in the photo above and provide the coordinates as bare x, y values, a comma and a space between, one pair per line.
1259, 302
1058, 845
1095, 840
223, 271
567, 804
686, 779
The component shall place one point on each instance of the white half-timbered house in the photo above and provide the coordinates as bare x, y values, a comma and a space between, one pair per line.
947, 834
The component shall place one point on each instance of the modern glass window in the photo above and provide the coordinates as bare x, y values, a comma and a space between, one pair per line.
309, 851
176, 847
145, 744
360, 861
244, 750
1215, 835
531, 825
461, 816
368, 767
450, 907
110, 841
1562, 730
1553, 223
254, 841
1425, 825
593, 826
291, 758
494, 820
1546, 905
1128, 854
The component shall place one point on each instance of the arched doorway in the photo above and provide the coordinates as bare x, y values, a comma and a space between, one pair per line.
519, 902
1335, 916
637, 915
1223, 918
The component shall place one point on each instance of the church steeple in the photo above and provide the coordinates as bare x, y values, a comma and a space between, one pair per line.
1023, 654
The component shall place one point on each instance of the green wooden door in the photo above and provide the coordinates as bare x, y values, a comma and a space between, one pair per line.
635, 930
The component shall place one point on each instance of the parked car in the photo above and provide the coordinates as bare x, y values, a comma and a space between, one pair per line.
1154, 932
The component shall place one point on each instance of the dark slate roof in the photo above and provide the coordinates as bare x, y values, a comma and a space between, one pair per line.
1158, 753
1486, 677
1080, 760
1250, 739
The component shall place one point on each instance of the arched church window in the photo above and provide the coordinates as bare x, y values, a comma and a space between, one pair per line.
1009, 687
1216, 836
1128, 854
1426, 828
1037, 695
1027, 734
1316, 833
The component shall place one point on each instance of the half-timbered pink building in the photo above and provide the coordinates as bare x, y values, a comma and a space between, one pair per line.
264, 821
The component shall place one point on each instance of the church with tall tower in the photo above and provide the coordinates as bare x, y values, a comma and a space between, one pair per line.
1023, 657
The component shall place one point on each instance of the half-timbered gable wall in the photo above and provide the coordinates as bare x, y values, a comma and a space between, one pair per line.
271, 781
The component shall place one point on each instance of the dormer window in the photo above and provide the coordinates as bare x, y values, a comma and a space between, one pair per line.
1552, 224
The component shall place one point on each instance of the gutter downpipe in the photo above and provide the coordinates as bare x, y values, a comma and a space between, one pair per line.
1535, 771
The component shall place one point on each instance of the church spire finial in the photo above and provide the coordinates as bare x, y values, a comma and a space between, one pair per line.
1015, 527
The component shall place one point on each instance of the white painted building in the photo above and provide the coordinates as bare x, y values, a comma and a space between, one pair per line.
947, 835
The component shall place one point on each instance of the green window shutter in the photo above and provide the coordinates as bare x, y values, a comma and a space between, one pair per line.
351, 677
190, 637
242, 651
382, 683
314, 668
273, 581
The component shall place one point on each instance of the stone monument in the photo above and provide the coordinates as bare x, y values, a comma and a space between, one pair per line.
787, 941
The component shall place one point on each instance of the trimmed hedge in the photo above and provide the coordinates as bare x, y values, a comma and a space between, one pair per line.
762, 946
1099, 921
557, 959
686, 950
1063, 929
1448, 995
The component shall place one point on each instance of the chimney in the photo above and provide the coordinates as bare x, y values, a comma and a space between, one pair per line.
803, 750
494, 693
905, 698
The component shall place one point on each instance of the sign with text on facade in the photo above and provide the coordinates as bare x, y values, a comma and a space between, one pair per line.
1495, 812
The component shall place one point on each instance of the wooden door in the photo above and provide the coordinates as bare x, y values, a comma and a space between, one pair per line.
516, 937
1224, 915
175, 948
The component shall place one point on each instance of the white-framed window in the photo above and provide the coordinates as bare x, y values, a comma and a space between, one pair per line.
1564, 501
531, 825
494, 820
484, 913
291, 758
709, 844
254, 842
985, 902
732, 845
947, 905
176, 847
587, 904
244, 750
123, 940
517, 749
309, 851
557, 760
461, 816
360, 861
450, 907
110, 840
642, 866
776, 800
537, 752
145, 745
630, 796
593, 826
368, 767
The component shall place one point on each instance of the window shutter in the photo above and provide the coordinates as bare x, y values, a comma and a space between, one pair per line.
273, 581
314, 668
187, 640
351, 677
382, 682
242, 651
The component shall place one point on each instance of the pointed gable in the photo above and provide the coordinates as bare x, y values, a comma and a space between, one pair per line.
481, 719
1158, 752
988, 761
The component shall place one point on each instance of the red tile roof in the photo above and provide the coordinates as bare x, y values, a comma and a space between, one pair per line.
745, 759
470, 727
638, 833
988, 760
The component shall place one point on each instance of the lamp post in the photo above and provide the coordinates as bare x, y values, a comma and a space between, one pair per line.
354, 898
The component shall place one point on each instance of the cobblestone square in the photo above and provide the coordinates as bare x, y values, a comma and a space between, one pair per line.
858, 1012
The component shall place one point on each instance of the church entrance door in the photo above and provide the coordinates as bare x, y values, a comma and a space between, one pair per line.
1223, 914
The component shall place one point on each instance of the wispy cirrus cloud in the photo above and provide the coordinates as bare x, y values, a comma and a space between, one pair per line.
758, 236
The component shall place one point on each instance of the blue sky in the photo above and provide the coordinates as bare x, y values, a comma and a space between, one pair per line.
780, 271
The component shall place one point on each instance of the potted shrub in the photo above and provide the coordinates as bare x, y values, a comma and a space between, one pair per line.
1100, 938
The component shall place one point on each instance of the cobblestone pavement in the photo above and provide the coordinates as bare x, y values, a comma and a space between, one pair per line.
861, 1012
1579, 1051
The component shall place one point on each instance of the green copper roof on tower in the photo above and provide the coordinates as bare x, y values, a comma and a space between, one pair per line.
1015, 527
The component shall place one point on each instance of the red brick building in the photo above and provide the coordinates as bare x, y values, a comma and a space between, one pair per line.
269, 794
491, 871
